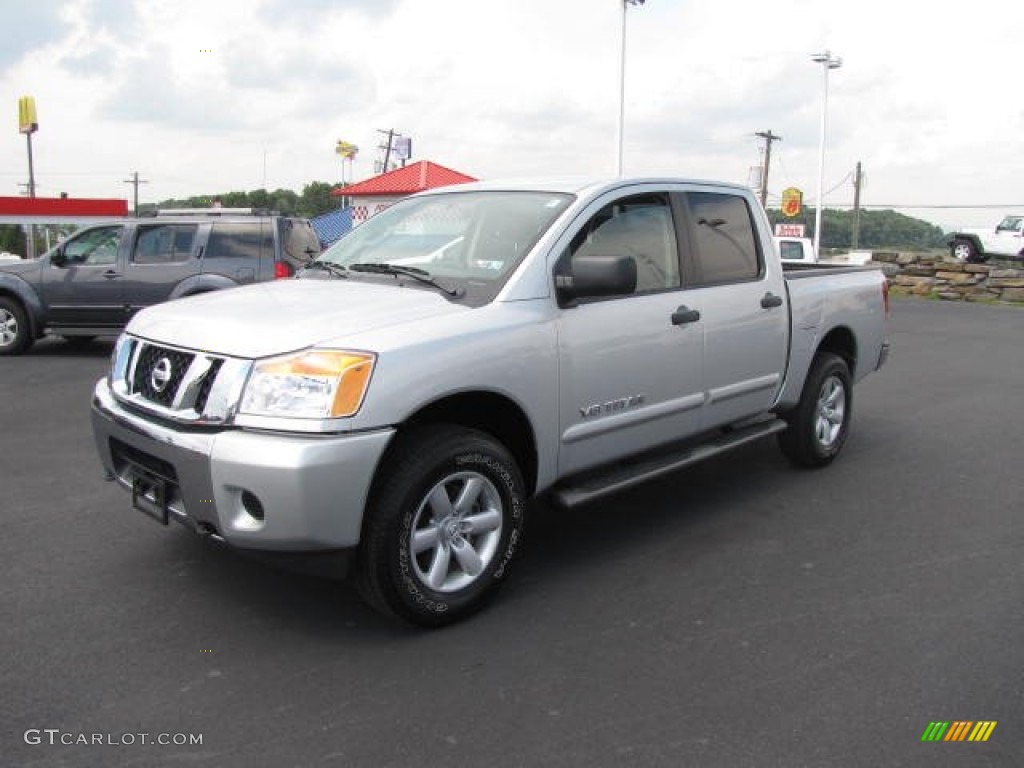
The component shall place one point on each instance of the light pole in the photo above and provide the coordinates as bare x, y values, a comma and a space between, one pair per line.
827, 61
622, 86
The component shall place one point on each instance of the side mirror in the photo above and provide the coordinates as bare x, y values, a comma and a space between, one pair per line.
593, 276
58, 259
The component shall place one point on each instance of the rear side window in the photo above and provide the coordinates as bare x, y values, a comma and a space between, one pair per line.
724, 240
299, 242
164, 243
242, 240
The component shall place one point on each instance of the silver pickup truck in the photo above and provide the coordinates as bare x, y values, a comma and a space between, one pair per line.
390, 412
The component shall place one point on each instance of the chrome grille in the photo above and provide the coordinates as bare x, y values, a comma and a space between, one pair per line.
183, 385
159, 372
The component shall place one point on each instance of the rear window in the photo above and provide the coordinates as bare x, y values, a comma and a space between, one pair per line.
299, 242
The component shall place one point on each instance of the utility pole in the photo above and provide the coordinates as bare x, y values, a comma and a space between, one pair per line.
135, 181
858, 178
385, 147
768, 137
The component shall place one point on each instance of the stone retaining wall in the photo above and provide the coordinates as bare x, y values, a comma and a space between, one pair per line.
925, 275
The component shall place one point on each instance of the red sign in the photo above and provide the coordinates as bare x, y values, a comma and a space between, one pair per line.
789, 230
792, 201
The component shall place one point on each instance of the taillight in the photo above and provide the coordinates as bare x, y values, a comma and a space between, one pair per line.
282, 270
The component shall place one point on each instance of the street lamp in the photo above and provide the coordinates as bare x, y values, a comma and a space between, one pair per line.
622, 86
827, 61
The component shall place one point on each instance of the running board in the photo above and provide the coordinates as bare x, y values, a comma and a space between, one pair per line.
624, 476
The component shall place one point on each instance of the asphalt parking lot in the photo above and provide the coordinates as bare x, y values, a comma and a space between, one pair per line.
741, 613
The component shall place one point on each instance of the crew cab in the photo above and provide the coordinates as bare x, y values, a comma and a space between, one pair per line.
389, 413
978, 244
96, 280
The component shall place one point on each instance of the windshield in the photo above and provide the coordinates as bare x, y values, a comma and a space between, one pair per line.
470, 240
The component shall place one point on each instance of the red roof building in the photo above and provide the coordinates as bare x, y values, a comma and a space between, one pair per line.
59, 210
409, 180
372, 196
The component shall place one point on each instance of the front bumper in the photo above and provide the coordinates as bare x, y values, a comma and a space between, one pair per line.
310, 490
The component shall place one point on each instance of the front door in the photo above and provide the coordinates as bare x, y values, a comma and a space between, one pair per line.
162, 255
84, 288
630, 367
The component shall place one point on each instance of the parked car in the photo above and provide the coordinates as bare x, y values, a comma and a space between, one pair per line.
796, 250
976, 245
390, 412
96, 280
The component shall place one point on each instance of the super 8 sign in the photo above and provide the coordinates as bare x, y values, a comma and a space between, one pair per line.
792, 201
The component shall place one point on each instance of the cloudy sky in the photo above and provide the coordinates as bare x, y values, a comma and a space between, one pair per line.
203, 97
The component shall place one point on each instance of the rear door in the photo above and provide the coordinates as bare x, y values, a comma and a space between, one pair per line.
739, 291
162, 255
238, 250
630, 367
86, 289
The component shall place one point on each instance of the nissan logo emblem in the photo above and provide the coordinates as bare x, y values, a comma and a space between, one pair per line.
161, 374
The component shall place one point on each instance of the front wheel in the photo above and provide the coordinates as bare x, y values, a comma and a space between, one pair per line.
15, 334
819, 424
442, 525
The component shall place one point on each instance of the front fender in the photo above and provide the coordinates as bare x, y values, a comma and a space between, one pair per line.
201, 284
12, 285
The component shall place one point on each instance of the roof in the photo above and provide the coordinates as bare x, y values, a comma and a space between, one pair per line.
408, 180
59, 210
330, 226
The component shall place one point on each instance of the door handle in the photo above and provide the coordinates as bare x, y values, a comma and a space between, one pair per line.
770, 300
111, 274
685, 315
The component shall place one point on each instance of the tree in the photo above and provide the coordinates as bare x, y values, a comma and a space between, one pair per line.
878, 229
12, 239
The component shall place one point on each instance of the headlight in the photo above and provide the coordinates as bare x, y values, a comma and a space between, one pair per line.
316, 384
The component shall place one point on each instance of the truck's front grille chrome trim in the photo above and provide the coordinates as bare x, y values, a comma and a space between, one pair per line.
178, 384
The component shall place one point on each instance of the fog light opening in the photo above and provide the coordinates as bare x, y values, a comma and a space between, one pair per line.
252, 505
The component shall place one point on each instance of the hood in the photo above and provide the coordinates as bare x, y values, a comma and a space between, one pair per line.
286, 315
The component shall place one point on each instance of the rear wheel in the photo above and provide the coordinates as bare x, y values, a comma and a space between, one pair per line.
441, 526
964, 251
15, 334
819, 424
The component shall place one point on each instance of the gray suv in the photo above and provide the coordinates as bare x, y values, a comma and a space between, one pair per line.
96, 280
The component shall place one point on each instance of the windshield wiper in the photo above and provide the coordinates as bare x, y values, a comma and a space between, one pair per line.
327, 266
420, 275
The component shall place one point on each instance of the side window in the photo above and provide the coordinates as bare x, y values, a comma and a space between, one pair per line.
96, 247
239, 240
164, 243
640, 227
725, 246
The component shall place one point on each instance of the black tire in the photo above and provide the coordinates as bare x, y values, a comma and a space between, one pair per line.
821, 420
965, 251
426, 471
15, 334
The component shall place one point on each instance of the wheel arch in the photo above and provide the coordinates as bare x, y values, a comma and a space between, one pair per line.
840, 341
24, 295
490, 412
973, 239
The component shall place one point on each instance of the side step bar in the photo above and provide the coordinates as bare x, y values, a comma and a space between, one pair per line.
623, 476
